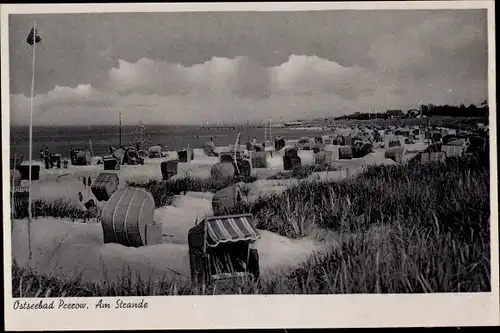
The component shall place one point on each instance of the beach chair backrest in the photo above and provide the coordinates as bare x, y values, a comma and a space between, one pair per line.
229, 263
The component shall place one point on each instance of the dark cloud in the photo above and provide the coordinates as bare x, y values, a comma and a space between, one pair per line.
70, 53
356, 56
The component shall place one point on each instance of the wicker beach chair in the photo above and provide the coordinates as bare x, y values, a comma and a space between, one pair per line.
220, 248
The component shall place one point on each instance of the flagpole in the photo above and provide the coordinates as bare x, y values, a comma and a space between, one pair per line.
90, 142
120, 118
270, 132
31, 139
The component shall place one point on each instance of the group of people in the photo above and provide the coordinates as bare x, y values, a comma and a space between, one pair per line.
50, 161
47, 158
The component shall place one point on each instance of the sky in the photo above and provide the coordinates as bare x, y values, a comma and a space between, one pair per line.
234, 67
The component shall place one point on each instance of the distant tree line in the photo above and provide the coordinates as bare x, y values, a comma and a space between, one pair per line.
428, 110
456, 111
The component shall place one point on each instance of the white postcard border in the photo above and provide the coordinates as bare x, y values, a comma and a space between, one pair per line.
257, 311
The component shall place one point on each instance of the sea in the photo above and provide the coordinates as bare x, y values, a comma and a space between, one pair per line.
61, 140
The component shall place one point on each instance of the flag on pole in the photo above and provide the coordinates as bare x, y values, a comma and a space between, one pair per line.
33, 37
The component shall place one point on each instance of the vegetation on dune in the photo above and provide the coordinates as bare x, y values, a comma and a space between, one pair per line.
438, 229
163, 191
302, 171
59, 208
402, 229
29, 283
402, 259
396, 260
281, 175
456, 194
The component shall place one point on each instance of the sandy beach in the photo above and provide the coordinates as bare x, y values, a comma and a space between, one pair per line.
64, 248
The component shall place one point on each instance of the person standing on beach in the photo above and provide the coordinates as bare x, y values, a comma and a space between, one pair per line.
46, 158
253, 260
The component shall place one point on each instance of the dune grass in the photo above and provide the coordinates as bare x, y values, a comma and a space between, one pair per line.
302, 171
456, 194
402, 229
163, 191
58, 208
396, 260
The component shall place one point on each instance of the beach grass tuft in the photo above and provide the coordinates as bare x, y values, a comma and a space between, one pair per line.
163, 191
59, 208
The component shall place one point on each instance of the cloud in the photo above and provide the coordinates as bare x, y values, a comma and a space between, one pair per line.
232, 90
311, 75
145, 77
242, 77
164, 78
62, 105
184, 67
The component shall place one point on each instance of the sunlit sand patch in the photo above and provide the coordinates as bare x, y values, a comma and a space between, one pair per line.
69, 250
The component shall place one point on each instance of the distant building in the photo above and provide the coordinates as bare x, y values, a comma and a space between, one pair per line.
293, 123
395, 113
413, 113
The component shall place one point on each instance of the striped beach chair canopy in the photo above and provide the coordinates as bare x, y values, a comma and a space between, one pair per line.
224, 229
217, 230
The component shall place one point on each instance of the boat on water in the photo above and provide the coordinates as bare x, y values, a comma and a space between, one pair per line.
142, 140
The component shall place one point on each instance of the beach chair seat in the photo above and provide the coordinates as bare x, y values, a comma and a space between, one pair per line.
183, 156
345, 152
259, 159
291, 162
226, 157
230, 276
224, 267
243, 168
24, 171
110, 163
105, 185
169, 169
